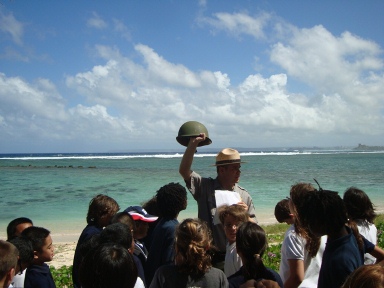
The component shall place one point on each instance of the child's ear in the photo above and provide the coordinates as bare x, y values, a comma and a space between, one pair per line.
9, 276
35, 255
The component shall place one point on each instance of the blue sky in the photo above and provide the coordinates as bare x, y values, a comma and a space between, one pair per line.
97, 76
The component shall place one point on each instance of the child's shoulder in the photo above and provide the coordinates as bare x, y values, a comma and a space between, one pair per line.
39, 276
35, 268
89, 231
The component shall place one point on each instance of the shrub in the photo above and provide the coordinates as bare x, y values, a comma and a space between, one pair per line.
380, 235
62, 276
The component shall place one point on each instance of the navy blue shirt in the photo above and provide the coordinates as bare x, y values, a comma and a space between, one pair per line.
341, 257
39, 276
140, 269
237, 279
87, 233
162, 250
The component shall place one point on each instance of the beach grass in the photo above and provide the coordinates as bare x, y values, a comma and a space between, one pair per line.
271, 258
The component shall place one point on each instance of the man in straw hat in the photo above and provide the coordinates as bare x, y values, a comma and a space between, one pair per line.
228, 165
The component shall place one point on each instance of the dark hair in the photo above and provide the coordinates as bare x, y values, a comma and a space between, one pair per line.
323, 211
125, 218
108, 265
171, 199
25, 248
99, 206
8, 257
11, 228
282, 211
89, 244
151, 207
251, 242
358, 205
117, 233
193, 242
297, 193
37, 236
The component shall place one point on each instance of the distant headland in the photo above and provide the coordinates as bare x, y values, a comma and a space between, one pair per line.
362, 147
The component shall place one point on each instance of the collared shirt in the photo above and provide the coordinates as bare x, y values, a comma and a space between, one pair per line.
39, 276
340, 258
203, 191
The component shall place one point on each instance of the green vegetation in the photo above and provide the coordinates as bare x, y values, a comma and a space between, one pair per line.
271, 258
62, 276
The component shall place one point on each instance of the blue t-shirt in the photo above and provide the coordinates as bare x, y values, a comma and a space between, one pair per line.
87, 233
39, 276
237, 279
162, 250
341, 257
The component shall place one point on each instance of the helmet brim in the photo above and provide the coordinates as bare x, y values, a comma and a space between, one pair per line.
184, 140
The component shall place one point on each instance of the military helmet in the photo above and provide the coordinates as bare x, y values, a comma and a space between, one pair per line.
192, 129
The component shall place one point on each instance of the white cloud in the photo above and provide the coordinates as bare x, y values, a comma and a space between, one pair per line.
174, 74
238, 23
331, 64
140, 100
160, 96
9, 25
28, 100
122, 29
96, 22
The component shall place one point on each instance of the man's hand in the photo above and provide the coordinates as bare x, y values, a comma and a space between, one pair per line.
242, 204
198, 139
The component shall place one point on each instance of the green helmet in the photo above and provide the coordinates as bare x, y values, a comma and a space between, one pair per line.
192, 129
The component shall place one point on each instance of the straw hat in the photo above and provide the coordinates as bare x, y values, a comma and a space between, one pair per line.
227, 156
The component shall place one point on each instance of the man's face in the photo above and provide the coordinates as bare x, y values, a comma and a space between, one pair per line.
230, 228
47, 251
231, 172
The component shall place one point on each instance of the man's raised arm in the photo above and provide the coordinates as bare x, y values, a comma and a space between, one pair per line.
186, 162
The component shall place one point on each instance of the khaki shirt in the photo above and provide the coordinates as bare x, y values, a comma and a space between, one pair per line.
203, 191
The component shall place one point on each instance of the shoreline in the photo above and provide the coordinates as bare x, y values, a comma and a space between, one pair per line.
65, 238
67, 231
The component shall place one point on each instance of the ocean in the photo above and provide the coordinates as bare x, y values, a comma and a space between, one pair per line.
54, 190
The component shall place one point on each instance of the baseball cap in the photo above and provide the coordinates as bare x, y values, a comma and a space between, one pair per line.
139, 213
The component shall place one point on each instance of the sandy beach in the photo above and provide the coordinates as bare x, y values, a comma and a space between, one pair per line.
65, 243
64, 252
65, 240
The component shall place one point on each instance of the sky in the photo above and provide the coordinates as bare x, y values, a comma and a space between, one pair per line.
114, 76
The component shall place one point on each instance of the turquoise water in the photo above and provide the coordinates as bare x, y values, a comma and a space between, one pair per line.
54, 190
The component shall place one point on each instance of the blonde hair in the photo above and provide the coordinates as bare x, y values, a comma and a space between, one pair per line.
367, 276
193, 242
236, 211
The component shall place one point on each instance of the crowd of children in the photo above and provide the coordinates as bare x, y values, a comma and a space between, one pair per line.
330, 242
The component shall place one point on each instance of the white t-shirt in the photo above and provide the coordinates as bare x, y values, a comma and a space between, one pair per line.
18, 280
293, 247
312, 266
232, 262
369, 231
139, 283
